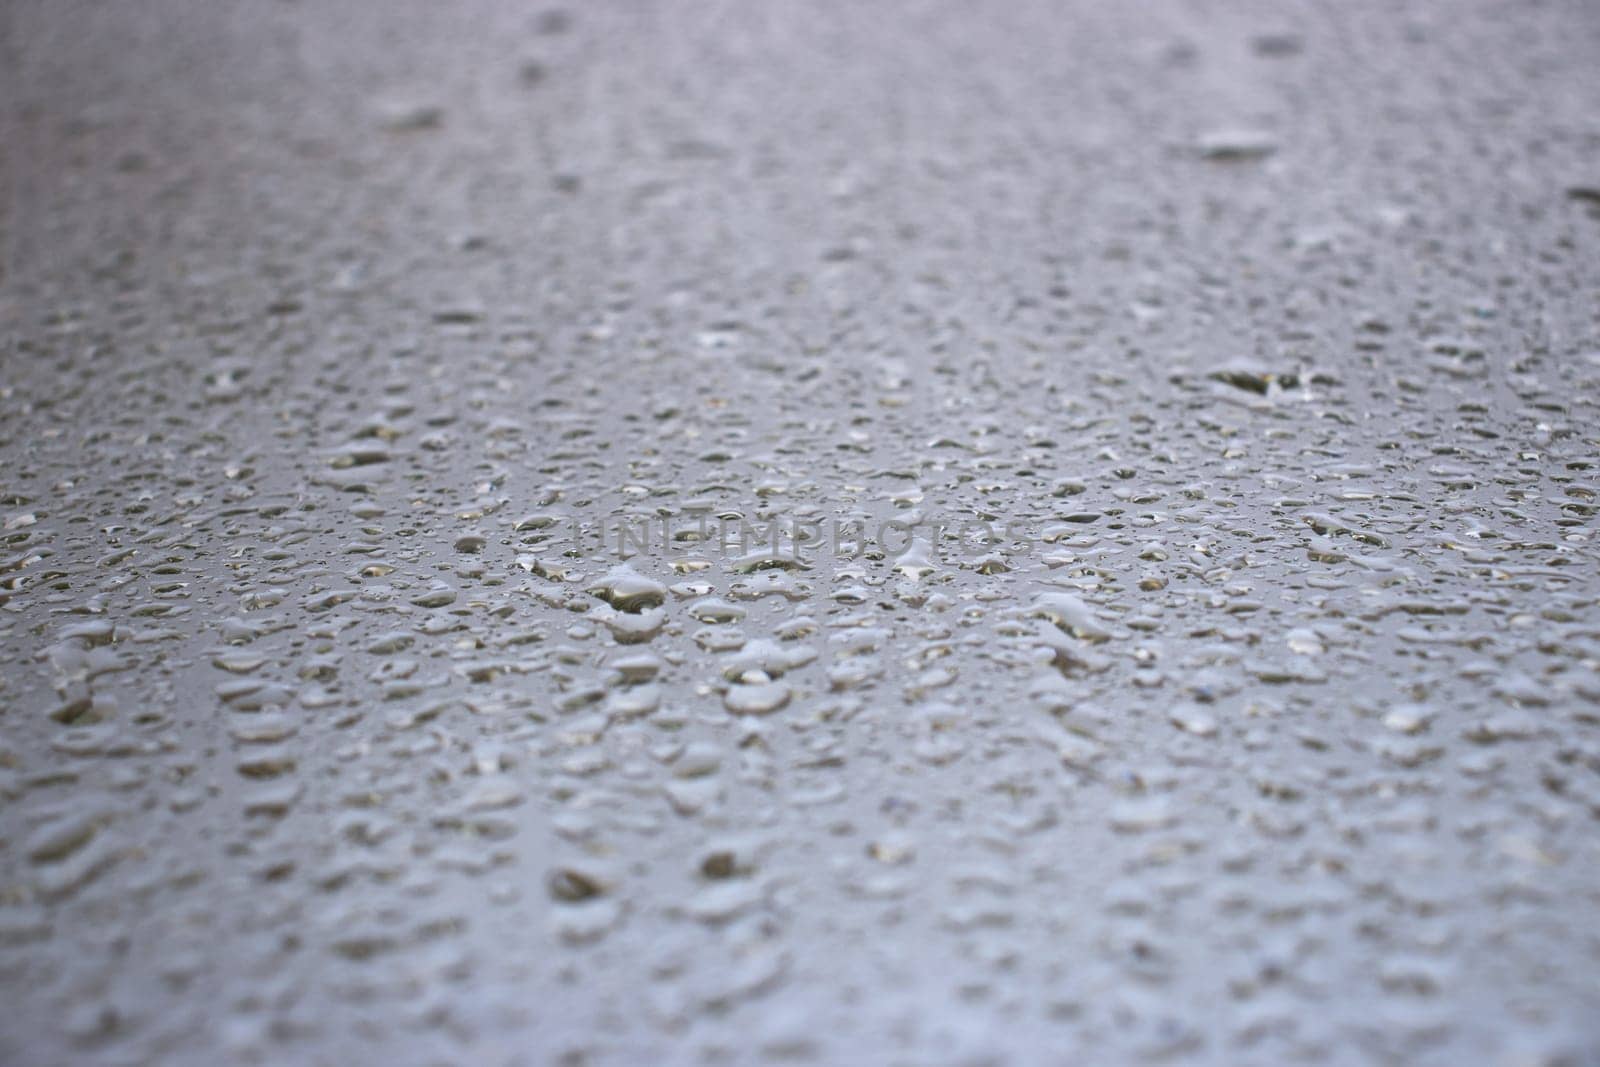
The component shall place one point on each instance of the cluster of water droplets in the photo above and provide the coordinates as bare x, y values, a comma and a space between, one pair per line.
342, 714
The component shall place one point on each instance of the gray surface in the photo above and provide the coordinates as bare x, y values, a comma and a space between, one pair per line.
1268, 331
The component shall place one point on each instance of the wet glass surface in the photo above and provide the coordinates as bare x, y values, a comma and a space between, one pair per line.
699, 533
